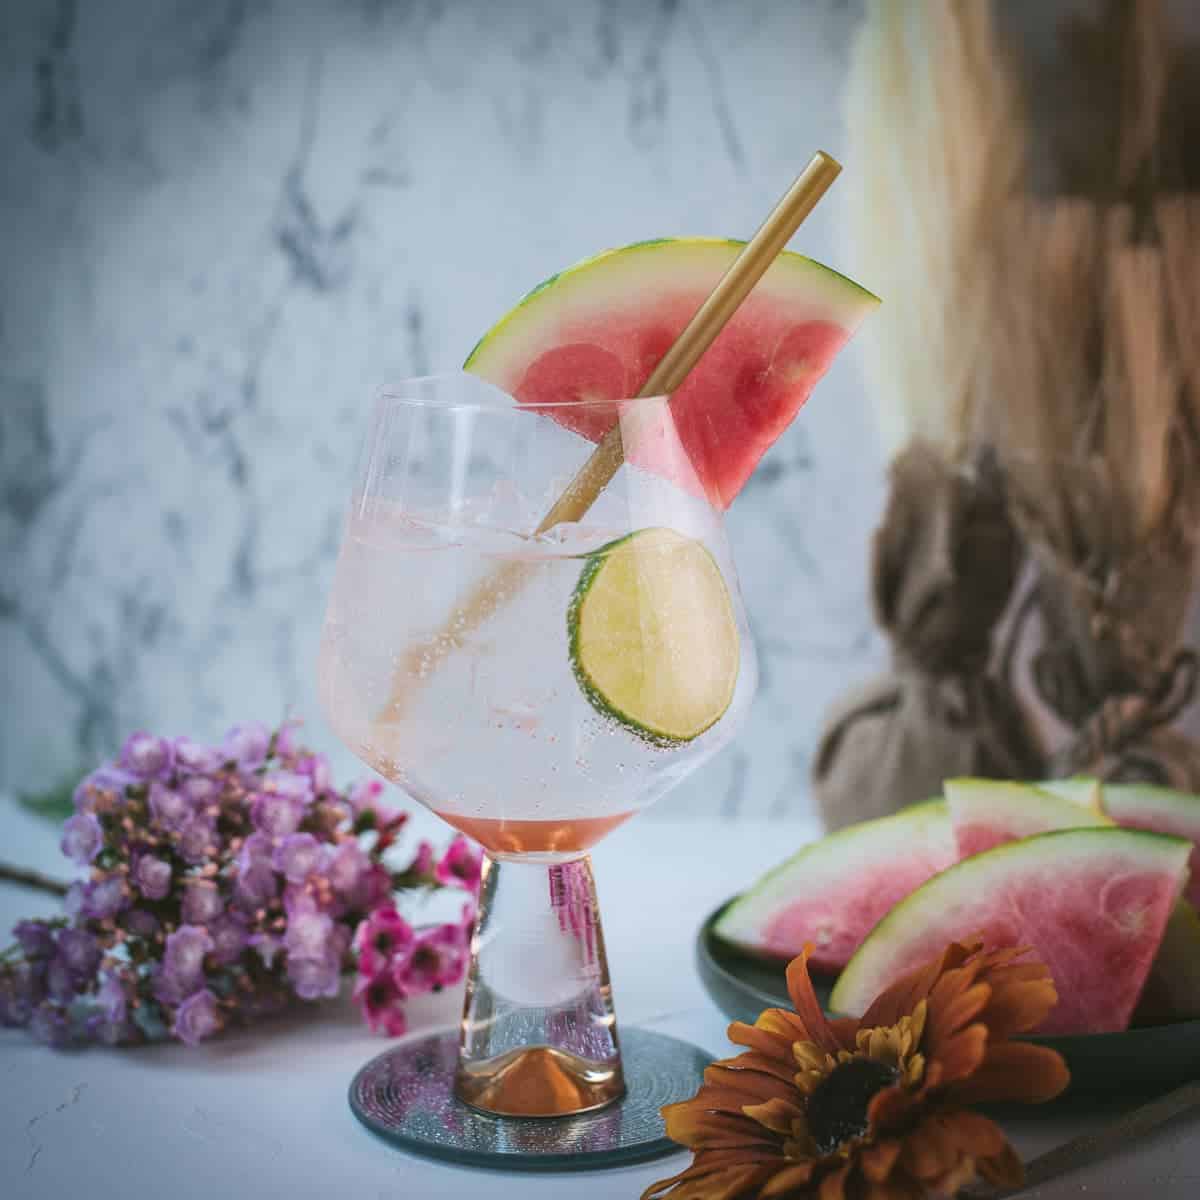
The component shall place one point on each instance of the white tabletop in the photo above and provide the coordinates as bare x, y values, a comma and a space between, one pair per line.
263, 1112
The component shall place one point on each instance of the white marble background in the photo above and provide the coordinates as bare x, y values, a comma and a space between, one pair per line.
222, 223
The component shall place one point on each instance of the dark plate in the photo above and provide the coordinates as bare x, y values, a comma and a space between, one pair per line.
1151, 1058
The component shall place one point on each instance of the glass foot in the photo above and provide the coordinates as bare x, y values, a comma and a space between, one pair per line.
406, 1095
539, 1035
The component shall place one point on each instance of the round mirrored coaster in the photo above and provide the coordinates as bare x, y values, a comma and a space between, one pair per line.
405, 1095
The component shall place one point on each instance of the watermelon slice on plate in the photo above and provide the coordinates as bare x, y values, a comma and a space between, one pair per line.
1093, 905
596, 330
1145, 806
986, 813
832, 892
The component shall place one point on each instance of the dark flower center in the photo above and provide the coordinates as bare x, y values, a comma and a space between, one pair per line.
383, 942
837, 1108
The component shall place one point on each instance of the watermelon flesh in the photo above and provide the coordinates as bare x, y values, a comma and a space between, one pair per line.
1092, 904
832, 893
596, 331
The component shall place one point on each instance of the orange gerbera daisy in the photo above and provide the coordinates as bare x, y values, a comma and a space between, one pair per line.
874, 1109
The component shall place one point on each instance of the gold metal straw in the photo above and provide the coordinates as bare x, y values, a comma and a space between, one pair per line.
701, 331
593, 477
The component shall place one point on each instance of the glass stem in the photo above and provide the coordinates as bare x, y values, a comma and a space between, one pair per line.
539, 1036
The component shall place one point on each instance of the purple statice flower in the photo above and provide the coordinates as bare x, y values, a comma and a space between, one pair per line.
152, 876
141, 923
35, 938
321, 773
80, 951
380, 938
361, 884
147, 756
197, 757
201, 902
247, 745
104, 783
297, 857
112, 998
461, 866
256, 886
82, 838
292, 784
314, 978
229, 937
22, 989
62, 984
276, 815
380, 999
257, 848
183, 958
105, 898
308, 935
49, 1025
169, 808
196, 1018
200, 790
195, 842
299, 898
438, 959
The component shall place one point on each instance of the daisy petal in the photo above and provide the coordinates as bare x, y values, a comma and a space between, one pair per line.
1014, 1071
804, 1001
878, 1160
782, 1182
833, 1186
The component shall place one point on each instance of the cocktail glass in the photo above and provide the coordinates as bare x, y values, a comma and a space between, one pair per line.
451, 663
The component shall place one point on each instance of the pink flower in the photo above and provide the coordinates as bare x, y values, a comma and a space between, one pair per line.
422, 863
380, 938
438, 959
461, 866
381, 1001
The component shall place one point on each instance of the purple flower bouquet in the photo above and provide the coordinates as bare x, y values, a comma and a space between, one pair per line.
225, 882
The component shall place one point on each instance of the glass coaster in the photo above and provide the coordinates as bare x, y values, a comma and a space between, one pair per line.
405, 1096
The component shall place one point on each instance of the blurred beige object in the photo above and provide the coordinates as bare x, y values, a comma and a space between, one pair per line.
936, 139
1095, 421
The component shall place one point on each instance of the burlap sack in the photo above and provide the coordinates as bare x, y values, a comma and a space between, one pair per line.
944, 561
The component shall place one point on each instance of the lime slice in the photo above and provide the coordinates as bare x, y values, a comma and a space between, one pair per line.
653, 638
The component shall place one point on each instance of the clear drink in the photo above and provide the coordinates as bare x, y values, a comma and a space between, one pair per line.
484, 721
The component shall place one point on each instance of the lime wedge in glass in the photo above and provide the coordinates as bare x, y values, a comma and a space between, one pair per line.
652, 635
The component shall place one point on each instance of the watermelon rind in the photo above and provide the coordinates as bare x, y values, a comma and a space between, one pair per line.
944, 908
1131, 801
610, 278
834, 859
1018, 809
1081, 789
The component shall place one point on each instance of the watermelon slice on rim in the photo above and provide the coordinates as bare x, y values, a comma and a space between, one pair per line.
831, 893
1093, 905
596, 330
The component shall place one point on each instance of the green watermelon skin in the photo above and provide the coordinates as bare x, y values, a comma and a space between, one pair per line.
1092, 904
